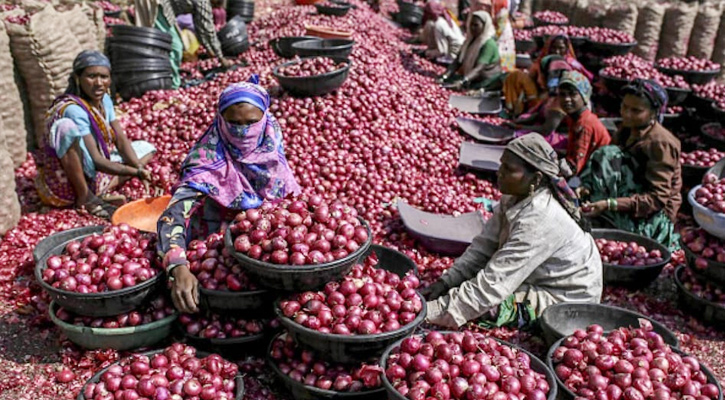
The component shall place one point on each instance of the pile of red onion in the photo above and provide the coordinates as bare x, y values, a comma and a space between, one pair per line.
523, 34
462, 365
302, 366
610, 36
367, 301
215, 268
716, 131
628, 364
156, 310
631, 67
300, 231
704, 290
701, 158
706, 246
690, 63
713, 91
215, 326
711, 193
118, 258
108, 6
551, 17
615, 252
311, 67
176, 373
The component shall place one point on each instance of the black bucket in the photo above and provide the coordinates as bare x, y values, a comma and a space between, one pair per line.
144, 83
120, 51
242, 8
410, 15
123, 31
233, 37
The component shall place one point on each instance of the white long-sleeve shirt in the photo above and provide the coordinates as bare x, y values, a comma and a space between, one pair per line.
446, 38
533, 250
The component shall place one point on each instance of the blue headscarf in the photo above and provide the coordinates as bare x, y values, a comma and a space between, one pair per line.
653, 92
86, 58
235, 94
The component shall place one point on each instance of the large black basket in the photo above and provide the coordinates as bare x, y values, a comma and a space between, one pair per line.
313, 85
629, 275
297, 278
105, 304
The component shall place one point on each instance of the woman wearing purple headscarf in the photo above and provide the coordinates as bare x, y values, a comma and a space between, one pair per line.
237, 164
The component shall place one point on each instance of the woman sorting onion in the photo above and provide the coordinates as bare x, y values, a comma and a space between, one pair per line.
236, 165
84, 152
524, 91
635, 184
586, 131
440, 33
478, 64
535, 250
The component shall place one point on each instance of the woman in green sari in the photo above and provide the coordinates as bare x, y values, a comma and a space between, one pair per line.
635, 185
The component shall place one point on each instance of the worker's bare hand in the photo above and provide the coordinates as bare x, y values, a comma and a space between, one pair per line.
185, 290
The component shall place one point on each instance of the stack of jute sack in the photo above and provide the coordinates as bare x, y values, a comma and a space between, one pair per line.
694, 28
38, 41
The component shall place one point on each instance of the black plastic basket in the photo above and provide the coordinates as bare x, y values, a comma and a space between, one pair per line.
566, 394
560, 320
692, 77
138, 86
605, 50
632, 276
613, 84
338, 10
536, 364
392, 260
139, 31
126, 338
692, 175
301, 391
297, 278
239, 381
282, 46
714, 271
231, 348
525, 46
705, 310
323, 48
712, 140
677, 96
62, 238
256, 301
104, 304
317, 85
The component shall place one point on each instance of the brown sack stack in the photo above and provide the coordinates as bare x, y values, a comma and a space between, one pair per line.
622, 17
11, 105
83, 28
707, 23
9, 203
649, 26
44, 53
678, 23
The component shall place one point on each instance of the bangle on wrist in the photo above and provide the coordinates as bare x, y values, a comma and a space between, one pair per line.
612, 204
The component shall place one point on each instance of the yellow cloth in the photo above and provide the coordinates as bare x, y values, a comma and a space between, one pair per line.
191, 44
520, 92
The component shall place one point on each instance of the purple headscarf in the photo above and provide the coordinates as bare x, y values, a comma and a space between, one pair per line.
653, 92
240, 171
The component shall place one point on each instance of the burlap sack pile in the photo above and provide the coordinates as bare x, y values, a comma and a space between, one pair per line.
83, 28
43, 52
679, 20
622, 17
649, 26
11, 105
9, 203
707, 23
718, 54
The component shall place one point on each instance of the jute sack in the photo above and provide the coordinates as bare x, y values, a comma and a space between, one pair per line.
9, 203
579, 12
707, 23
82, 27
649, 26
43, 52
679, 20
622, 17
11, 105
594, 13
718, 54
526, 7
